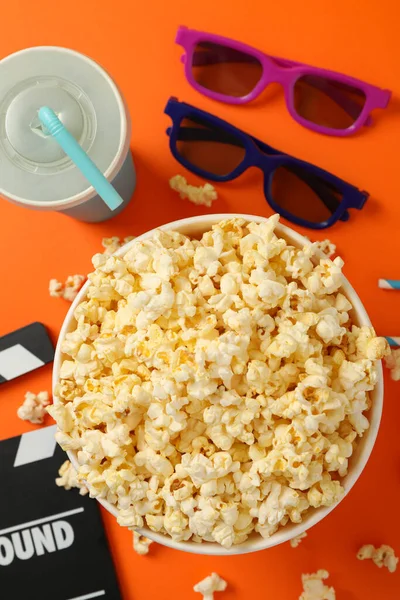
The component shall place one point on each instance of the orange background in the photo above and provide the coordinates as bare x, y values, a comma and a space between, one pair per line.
134, 41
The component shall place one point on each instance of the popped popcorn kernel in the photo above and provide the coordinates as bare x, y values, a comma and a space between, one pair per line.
392, 362
215, 387
33, 408
200, 195
141, 543
314, 587
326, 246
114, 243
67, 290
56, 288
211, 584
294, 542
382, 557
68, 478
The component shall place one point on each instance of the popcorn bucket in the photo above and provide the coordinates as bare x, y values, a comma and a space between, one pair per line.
194, 227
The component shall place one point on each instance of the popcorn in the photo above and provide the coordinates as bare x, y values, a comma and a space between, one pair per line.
200, 195
314, 587
68, 290
141, 543
368, 345
382, 557
294, 542
56, 288
393, 363
326, 246
326, 278
114, 243
325, 493
209, 585
215, 387
33, 408
68, 478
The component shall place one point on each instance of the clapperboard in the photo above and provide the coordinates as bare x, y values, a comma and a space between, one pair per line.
52, 541
24, 350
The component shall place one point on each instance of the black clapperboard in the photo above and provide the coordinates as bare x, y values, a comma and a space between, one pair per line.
52, 542
24, 350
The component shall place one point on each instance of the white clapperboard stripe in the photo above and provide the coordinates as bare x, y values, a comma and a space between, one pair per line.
36, 445
24, 350
46, 529
88, 596
49, 519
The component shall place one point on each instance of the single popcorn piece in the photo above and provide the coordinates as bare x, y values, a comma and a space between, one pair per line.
392, 362
382, 557
200, 195
113, 244
141, 543
33, 408
314, 587
209, 585
67, 290
68, 478
326, 246
56, 288
215, 388
72, 286
294, 542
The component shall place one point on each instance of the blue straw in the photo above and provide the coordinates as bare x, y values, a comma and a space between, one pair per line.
389, 284
394, 342
78, 156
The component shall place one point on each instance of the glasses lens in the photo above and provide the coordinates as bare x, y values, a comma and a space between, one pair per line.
327, 102
209, 148
304, 195
225, 70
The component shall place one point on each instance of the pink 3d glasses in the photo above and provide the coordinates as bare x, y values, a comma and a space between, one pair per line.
322, 100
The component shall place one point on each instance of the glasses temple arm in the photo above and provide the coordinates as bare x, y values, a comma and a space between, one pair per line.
195, 134
207, 57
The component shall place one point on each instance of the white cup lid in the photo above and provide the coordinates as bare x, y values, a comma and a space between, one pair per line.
33, 168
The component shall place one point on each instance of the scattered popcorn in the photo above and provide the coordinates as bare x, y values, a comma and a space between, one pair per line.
200, 195
56, 288
67, 290
392, 362
141, 543
72, 286
113, 244
314, 587
33, 408
382, 557
294, 542
215, 387
209, 585
69, 478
